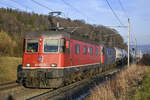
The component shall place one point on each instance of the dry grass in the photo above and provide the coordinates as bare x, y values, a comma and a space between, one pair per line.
120, 87
7, 45
8, 68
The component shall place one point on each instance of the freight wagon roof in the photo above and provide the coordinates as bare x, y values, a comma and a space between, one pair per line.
61, 34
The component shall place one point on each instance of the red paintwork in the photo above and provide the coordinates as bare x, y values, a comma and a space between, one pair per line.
62, 59
73, 59
102, 60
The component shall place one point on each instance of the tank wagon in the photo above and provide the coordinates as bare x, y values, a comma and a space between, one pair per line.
121, 56
56, 58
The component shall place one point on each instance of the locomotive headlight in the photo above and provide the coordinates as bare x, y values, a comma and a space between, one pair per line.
53, 65
27, 65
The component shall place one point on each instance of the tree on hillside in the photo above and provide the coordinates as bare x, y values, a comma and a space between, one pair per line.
7, 45
17, 23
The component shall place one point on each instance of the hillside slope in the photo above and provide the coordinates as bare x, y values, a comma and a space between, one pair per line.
17, 23
8, 68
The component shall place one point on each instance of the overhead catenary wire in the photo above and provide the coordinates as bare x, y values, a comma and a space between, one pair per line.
42, 5
38, 3
122, 7
71, 6
114, 13
131, 38
68, 4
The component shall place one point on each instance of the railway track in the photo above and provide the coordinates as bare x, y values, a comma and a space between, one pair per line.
50, 94
8, 88
59, 93
8, 85
67, 91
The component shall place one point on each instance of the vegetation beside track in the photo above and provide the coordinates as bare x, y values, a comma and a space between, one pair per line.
121, 87
145, 61
8, 68
143, 93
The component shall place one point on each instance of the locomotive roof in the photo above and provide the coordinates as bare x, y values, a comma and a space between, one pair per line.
61, 34
48, 34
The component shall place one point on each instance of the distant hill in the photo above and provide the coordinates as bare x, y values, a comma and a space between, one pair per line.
142, 48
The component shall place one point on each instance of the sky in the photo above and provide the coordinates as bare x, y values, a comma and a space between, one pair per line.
97, 12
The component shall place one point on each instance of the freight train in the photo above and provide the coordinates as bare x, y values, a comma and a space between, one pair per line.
57, 58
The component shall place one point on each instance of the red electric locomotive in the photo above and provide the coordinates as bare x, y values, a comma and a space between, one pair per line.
56, 58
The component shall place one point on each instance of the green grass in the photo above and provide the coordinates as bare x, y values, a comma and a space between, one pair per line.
144, 92
8, 68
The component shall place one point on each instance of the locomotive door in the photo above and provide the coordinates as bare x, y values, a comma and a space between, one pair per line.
71, 52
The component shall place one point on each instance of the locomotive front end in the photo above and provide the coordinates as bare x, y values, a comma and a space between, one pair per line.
43, 53
43, 61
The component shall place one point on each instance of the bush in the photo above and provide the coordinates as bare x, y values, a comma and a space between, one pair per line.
145, 60
121, 86
7, 45
8, 71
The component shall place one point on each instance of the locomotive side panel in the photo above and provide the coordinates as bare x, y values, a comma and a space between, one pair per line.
84, 53
68, 54
80, 53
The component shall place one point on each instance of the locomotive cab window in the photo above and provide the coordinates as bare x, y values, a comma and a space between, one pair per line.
51, 45
31, 45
